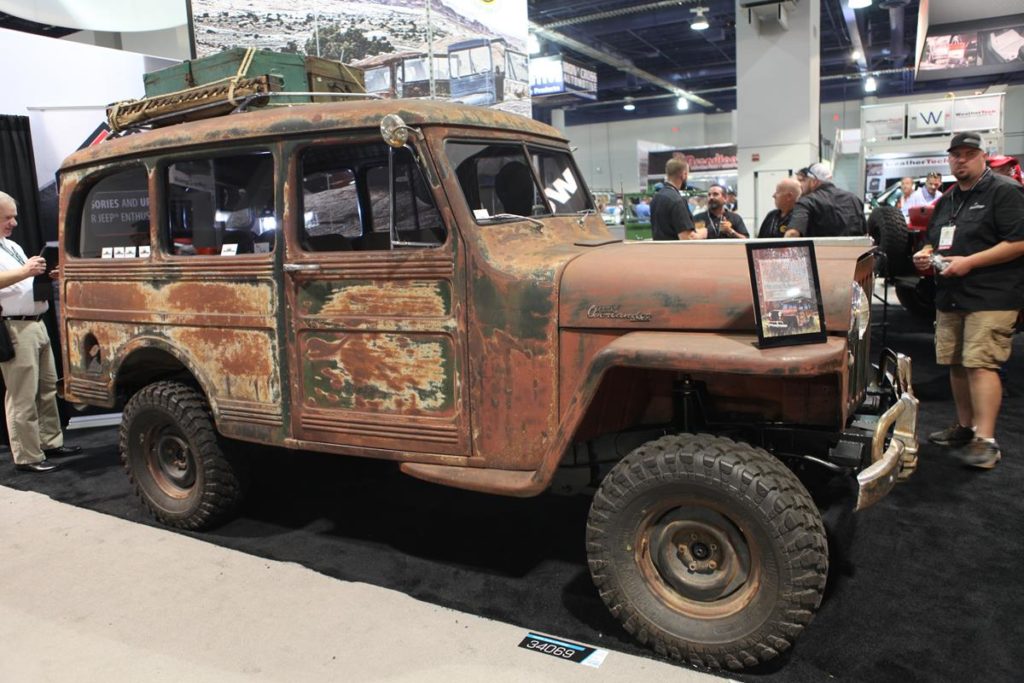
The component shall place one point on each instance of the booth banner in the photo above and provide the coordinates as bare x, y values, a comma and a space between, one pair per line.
913, 167
883, 122
929, 118
557, 75
714, 158
978, 113
469, 51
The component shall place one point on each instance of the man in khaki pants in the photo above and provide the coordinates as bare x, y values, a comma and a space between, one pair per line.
33, 423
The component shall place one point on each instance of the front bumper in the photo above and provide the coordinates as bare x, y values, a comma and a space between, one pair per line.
893, 457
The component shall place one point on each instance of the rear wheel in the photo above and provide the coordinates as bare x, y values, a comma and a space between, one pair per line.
707, 550
890, 226
171, 453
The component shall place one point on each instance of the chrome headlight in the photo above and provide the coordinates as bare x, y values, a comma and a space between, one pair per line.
860, 310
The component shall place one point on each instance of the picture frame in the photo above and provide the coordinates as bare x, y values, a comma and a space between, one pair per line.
788, 309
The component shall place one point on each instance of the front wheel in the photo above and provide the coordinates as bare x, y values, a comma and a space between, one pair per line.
707, 550
171, 453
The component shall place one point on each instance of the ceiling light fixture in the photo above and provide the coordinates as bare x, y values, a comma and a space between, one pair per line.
855, 55
859, 4
629, 106
700, 22
682, 104
870, 84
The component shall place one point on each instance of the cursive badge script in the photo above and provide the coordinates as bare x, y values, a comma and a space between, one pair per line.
613, 313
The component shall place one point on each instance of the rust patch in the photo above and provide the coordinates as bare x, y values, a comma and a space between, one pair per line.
386, 373
376, 299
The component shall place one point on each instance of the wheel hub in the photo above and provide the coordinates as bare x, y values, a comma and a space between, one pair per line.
699, 553
174, 460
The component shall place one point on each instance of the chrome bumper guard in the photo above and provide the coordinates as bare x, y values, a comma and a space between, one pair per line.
899, 460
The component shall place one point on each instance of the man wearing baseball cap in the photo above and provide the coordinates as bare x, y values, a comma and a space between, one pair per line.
824, 210
976, 241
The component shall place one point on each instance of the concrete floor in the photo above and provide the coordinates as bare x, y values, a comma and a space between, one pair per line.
88, 597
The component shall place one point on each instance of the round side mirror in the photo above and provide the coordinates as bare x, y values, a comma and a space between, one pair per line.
394, 130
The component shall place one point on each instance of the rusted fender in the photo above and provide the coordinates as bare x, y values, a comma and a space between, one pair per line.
671, 351
689, 286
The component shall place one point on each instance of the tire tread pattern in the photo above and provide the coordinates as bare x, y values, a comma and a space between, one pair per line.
742, 470
221, 493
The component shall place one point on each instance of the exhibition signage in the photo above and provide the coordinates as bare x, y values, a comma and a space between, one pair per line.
932, 117
713, 158
557, 75
883, 122
929, 118
977, 113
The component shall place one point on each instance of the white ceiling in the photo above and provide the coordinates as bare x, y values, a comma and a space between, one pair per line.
953, 11
100, 15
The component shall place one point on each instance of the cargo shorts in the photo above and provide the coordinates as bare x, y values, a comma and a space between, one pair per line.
974, 339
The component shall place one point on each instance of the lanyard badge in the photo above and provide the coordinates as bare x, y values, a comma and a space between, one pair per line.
946, 236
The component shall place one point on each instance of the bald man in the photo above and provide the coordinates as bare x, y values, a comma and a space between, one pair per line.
776, 222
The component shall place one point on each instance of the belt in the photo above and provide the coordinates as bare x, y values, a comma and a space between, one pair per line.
23, 317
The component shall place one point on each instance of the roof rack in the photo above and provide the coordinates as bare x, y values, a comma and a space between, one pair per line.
227, 96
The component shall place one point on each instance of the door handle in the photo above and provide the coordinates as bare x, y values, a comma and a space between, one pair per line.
301, 267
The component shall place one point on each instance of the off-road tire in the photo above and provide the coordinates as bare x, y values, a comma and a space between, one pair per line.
919, 300
890, 228
170, 450
727, 500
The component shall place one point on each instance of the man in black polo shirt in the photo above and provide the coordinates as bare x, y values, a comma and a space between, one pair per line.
720, 222
977, 233
823, 209
776, 223
670, 214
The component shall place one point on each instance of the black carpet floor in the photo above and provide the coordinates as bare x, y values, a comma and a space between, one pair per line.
926, 588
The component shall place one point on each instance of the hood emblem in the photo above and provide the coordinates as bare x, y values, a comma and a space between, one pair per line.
613, 313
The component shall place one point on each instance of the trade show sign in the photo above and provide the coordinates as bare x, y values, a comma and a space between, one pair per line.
700, 159
557, 75
932, 117
470, 51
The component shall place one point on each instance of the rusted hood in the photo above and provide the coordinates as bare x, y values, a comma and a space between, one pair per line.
688, 285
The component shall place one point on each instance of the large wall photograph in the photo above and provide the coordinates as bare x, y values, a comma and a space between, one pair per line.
471, 51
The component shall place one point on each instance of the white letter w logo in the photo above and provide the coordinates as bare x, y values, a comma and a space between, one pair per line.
564, 188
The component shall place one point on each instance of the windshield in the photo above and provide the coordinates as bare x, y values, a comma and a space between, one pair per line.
378, 80
476, 60
501, 180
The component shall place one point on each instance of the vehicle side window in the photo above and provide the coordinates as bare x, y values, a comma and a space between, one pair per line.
346, 199
221, 205
115, 217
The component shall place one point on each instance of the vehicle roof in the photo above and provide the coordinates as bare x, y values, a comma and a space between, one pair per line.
276, 122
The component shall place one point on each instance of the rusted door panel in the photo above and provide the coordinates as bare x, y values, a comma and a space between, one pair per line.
377, 352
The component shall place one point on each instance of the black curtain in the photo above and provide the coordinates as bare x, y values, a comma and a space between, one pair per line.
18, 179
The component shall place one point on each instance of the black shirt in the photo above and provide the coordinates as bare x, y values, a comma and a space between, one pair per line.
991, 213
670, 214
774, 224
706, 220
829, 212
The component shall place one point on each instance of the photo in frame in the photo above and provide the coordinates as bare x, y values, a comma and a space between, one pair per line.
787, 295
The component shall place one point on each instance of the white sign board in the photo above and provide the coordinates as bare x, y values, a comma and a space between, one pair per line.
978, 113
929, 118
883, 122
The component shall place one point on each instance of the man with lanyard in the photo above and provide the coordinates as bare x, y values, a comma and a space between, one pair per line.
823, 209
925, 195
976, 242
670, 213
775, 224
33, 423
720, 222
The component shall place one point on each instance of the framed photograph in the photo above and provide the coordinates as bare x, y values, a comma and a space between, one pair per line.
787, 294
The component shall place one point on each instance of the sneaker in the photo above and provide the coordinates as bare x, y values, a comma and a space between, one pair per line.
981, 454
952, 436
